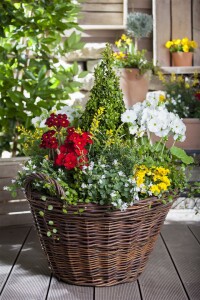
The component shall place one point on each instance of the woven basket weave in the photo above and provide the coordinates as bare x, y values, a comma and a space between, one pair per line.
99, 247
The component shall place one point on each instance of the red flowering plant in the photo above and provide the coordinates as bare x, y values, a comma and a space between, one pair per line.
67, 147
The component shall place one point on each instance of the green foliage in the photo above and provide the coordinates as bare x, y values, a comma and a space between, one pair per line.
139, 25
182, 94
105, 94
31, 42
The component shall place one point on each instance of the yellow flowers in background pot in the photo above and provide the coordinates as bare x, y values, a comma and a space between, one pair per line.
181, 45
127, 56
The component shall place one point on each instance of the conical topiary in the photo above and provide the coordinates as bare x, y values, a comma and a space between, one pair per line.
106, 94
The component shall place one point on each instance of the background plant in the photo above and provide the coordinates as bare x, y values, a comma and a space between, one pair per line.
127, 57
182, 94
31, 77
139, 25
181, 45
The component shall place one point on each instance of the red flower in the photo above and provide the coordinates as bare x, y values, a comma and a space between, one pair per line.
197, 95
81, 152
80, 142
70, 161
49, 142
60, 159
59, 120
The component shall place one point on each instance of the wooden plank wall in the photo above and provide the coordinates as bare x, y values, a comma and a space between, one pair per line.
175, 19
13, 211
101, 12
111, 35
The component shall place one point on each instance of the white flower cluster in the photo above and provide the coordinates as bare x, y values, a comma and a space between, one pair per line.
70, 111
152, 116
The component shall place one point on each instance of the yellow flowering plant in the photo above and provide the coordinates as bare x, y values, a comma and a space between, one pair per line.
108, 159
181, 45
126, 55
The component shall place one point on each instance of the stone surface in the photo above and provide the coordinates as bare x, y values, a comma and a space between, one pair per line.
87, 81
89, 51
92, 64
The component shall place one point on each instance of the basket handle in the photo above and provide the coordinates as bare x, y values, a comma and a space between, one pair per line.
42, 177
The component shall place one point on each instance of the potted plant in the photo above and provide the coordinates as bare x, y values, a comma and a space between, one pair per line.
182, 51
134, 70
182, 97
100, 196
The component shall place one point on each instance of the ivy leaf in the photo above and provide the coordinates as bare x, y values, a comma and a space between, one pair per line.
182, 155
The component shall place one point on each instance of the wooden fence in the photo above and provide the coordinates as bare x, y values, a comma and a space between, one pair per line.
175, 19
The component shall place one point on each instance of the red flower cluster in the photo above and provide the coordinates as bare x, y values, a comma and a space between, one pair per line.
72, 152
58, 121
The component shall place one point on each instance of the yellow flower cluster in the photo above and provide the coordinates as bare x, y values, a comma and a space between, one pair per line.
29, 136
96, 120
153, 179
181, 45
124, 40
123, 45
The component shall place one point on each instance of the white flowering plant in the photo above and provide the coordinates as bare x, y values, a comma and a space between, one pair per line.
105, 155
108, 169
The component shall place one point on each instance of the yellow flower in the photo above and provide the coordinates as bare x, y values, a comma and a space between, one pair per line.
124, 37
185, 48
187, 85
162, 171
166, 180
118, 43
161, 76
155, 189
168, 44
162, 98
185, 41
193, 44
180, 79
162, 186
173, 77
177, 42
128, 41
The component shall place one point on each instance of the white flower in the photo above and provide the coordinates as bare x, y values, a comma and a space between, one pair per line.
124, 206
133, 129
121, 173
115, 162
129, 116
103, 176
6, 188
84, 186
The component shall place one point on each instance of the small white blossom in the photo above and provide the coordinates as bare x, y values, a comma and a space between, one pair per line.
6, 188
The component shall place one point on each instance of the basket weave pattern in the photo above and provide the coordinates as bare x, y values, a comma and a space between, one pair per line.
99, 247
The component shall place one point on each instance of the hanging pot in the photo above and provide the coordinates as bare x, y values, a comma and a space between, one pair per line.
182, 59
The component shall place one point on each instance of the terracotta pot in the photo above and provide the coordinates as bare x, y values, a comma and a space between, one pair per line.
182, 59
192, 141
134, 85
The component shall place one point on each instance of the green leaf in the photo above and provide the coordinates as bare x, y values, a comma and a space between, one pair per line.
83, 74
48, 233
182, 155
54, 230
51, 222
41, 213
42, 73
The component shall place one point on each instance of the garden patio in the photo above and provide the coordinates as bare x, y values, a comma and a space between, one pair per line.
173, 268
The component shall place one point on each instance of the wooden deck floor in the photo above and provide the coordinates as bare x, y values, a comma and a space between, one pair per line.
172, 273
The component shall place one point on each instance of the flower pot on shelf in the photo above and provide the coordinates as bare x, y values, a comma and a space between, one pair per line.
192, 141
182, 59
99, 246
134, 85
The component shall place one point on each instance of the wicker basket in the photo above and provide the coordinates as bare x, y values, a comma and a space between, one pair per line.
99, 247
